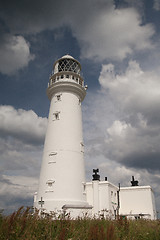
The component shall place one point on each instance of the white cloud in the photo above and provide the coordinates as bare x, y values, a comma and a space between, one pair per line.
16, 191
135, 91
134, 146
123, 121
23, 125
156, 5
118, 128
107, 34
18, 185
21, 144
133, 139
15, 54
21, 141
103, 32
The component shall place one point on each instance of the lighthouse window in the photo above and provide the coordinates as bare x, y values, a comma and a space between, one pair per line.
80, 82
82, 147
53, 154
68, 65
58, 97
62, 76
56, 116
67, 76
52, 157
50, 184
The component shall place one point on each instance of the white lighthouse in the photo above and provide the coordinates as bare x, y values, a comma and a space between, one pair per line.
62, 176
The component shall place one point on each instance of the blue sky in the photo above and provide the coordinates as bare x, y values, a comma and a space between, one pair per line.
117, 44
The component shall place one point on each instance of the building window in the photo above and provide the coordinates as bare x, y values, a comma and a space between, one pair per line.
84, 188
56, 116
73, 77
62, 76
57, 78
67, 76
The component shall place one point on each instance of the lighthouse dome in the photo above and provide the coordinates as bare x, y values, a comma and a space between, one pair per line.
67, 56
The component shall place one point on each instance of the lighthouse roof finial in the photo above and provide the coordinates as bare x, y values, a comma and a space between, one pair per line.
68, 56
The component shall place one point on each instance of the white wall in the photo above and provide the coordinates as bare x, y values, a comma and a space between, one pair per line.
137, 200
102, 195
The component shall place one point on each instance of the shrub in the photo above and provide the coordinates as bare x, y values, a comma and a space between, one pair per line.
25, 225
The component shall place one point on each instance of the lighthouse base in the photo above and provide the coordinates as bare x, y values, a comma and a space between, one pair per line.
58, 208
75, 211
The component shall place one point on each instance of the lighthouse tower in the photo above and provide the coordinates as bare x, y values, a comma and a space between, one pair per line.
62, 176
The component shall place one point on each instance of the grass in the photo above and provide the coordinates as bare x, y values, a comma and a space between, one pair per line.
23, 224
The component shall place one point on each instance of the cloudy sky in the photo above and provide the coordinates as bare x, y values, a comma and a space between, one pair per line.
118, 45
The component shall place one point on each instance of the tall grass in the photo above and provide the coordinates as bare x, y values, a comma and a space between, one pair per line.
23, 224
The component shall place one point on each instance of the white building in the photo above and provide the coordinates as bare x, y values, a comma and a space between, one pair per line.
62, 186
109, 201
103, 196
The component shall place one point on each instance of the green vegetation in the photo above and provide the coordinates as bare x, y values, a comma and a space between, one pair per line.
25, 225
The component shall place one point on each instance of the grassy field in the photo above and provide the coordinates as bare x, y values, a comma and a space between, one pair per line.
22, 224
